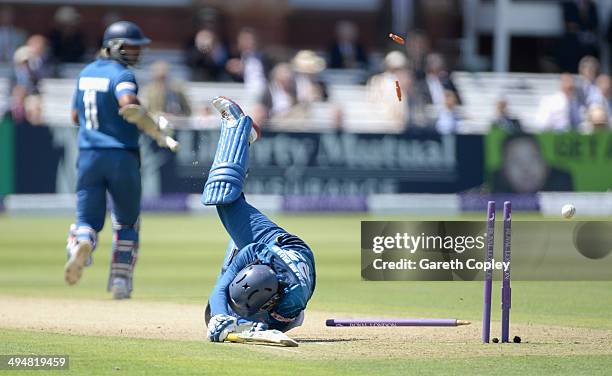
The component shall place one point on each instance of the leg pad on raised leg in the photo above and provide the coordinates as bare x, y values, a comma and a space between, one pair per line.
228, 172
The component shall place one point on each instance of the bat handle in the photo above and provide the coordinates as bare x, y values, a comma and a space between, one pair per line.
233, 337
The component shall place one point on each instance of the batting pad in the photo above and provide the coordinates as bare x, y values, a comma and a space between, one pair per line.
124, 253
228, 172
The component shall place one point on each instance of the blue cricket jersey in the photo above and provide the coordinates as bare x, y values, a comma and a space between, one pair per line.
99, 86
293, 263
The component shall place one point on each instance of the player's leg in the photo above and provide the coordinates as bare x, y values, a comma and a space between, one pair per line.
229, 169
124, 186
244, 223
91, 209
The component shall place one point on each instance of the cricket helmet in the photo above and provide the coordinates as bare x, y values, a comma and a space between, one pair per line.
121, 34
254, 289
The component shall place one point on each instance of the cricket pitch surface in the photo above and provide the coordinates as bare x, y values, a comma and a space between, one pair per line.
184, 322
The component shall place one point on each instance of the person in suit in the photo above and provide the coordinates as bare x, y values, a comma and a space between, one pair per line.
250, 65
346, 51
207, 56
504, 120
437, 80
280, 96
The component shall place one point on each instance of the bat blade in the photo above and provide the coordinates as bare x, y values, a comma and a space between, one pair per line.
273, 337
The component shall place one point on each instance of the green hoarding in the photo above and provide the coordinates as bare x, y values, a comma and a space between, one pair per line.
7, 156
548, 162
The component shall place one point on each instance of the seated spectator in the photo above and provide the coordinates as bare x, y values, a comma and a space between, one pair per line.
207, 57
164, 96
381, 89
279, 98
346, 51
561, 111
450, 118
23, 75
11, 37
308, 85
597, 119
40, 61
588, 69
602, 96
25, 102
437, 81
503, 120
250, 64
66, 37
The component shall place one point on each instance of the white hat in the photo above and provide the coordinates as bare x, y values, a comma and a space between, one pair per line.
395, 60
307, 61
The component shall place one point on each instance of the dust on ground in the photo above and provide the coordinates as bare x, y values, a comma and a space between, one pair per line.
185, 322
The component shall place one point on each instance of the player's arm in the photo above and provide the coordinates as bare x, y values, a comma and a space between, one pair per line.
133, 112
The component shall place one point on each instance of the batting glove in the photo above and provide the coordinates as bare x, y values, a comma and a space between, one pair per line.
220, 326
250, 326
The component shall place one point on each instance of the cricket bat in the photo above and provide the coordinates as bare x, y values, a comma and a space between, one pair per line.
272, 337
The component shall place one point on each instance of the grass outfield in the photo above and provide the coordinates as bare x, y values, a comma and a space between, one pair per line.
155, 357
179, 260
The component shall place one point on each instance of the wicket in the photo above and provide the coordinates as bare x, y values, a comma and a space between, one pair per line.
505, 291
488, 278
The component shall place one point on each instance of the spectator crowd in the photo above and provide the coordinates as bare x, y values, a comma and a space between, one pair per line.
286, 87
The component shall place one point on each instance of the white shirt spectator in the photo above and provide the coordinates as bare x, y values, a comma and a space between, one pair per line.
597, 98
602, 95
449, 122
556, 112
282, 101
254, 75
436, 90
561, 111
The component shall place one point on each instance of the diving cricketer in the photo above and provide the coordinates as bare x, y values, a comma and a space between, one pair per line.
268, 275
110, 118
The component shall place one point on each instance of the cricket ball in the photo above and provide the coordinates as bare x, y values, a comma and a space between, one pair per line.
568, 211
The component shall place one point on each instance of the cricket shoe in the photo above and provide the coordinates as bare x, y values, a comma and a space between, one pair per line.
71, 242
79, 256
120, 289
231, 111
